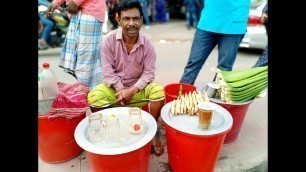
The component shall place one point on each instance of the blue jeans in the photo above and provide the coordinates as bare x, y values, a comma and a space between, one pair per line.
191, 18
144, 11
203, 43
263, 59
48, 25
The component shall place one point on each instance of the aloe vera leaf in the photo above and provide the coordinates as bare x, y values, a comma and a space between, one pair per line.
252, 77
237, 86
247, 98
235, 97
254, 93
245, 94
233, 76
248, 90
248, 81
248, 93
247, 86
225, 72
230, 79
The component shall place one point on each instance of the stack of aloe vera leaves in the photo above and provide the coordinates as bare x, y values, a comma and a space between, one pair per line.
241, 85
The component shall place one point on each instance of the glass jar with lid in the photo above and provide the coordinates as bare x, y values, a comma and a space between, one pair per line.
135, 120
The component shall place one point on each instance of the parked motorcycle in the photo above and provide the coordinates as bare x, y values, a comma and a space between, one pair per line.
59, 30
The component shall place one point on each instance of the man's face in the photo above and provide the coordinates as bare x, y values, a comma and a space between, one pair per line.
130, 22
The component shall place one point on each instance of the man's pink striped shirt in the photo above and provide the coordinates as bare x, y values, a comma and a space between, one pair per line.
123, 70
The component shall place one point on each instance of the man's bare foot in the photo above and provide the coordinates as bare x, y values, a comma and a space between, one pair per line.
157, 146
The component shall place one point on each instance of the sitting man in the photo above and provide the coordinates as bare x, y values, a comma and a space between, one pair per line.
128, 69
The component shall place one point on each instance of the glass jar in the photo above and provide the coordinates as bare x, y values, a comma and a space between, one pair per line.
95, 128
112, 129
135, 120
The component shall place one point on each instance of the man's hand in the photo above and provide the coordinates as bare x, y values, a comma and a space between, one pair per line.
72, 7
264, 18
119, 96
124, 96
50, 10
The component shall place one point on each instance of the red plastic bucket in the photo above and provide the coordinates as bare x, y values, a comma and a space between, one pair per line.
172, 90
135, 161
193, 153
190, 148
56, 141
238, 112
132, 155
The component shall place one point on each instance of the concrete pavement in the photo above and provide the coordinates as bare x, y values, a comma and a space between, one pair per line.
172, 43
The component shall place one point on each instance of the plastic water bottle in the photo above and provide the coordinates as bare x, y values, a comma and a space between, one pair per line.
39, 73
40, 93
48, 82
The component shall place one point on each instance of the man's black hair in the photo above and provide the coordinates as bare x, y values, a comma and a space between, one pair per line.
124, 5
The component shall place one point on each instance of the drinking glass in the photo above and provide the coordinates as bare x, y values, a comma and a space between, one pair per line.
112, 128
95, 127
